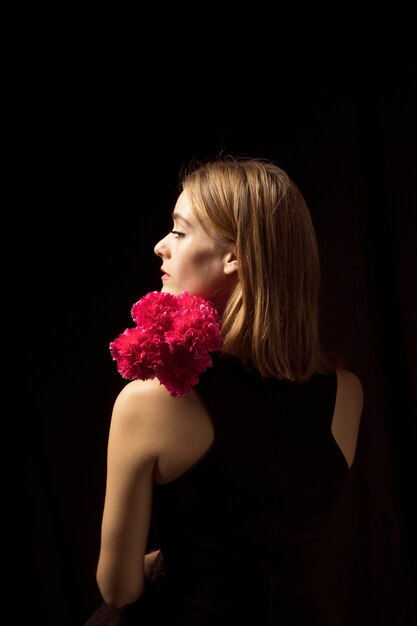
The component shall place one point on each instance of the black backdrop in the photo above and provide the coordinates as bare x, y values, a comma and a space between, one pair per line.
103, 110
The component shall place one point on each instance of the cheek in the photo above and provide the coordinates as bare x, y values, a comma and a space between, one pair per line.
207, 260
207, 272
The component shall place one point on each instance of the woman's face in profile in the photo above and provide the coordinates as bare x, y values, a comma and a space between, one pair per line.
191, 261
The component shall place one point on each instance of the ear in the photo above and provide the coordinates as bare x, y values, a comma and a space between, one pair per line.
230, 262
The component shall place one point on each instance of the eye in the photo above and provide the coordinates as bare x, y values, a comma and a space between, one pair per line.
177, 233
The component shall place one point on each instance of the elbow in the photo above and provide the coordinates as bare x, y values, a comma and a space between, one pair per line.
118, 601
119, 598
117, 594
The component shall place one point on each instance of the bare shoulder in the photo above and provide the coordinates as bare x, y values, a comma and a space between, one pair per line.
142, 399
137, 417
172, 431
145, 404
348, 412
349, 390
148, 409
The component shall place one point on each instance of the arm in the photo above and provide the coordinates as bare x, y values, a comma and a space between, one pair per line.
131, 459
155, 569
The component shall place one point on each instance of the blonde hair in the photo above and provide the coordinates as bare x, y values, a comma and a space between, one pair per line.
271, 319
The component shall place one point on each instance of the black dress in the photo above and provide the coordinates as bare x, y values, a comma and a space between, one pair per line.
243, 531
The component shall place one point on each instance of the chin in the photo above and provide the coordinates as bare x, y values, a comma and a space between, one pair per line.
171, 290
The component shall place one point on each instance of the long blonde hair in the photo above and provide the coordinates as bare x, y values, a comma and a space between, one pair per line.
271, 321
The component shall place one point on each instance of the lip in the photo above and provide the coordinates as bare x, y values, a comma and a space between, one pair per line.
165, 274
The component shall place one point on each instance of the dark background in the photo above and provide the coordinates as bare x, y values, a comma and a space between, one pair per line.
103, 109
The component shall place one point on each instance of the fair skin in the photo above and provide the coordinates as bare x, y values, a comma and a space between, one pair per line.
157, 437
144, 442
153, 436
192, 262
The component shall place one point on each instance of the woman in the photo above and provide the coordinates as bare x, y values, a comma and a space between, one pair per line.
242, 472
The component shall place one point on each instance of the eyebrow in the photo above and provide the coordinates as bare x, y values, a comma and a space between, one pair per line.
179, 218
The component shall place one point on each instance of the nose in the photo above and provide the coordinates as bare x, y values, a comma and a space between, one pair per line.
161, 248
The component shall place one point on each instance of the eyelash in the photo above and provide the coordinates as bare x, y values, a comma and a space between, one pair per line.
177, 233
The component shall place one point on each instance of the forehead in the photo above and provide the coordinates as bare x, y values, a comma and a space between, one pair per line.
183, 211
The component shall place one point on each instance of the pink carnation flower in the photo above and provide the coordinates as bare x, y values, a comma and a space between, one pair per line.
171, 341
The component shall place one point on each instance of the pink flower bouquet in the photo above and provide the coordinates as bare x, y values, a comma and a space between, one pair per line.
171, 341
